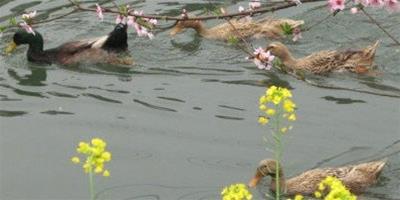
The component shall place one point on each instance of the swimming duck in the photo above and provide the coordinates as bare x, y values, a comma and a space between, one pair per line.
356, 61
268, 27
357, 178
106, 49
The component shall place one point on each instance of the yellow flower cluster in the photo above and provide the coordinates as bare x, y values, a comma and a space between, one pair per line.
277, 98
236, 192
297, 197
337, 190
96, 156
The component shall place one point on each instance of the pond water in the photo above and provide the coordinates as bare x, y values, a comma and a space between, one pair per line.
182, 123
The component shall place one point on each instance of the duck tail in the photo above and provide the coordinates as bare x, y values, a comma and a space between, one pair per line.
297, 23
370, 51
378, 166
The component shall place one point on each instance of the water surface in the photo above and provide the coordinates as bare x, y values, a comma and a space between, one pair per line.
182, 122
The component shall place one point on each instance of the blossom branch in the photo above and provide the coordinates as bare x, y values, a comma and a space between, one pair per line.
223, 16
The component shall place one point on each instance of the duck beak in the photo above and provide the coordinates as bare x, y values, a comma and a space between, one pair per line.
174, 31
10, 47
255, 180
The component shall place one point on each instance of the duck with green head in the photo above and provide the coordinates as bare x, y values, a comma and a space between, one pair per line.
110, 49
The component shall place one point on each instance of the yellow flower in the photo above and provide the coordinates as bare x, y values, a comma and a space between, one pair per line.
263, 100
98, 170
292, 117
263, 107
97, 142
276, 99
317, 194
337, 190
289, 106
321, 186
298, 197
236, 192
75, 160
106, 173
106, 156
271, 90
263, 120
271, 112
284, 130
286, 93
96, 155
83, 148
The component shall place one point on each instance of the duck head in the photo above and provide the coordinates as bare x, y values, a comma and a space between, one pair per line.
35, 41
182, 25
266, 167
279, 50
117, 40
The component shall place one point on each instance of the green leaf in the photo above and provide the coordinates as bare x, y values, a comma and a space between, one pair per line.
12, 21
2, 29
233, 40
287, 29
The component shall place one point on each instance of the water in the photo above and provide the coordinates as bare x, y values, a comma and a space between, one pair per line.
182, 123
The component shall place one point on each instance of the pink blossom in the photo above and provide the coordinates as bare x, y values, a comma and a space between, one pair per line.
297, 2
336, 5
27, 28
138, 12
150, 35
99, 12
153, 21
296, 34
138, 28
263, 59
241, 9
354, 10
376, 3
120, 19
392, 6
131, 20
254, 4
184, 13
29, 15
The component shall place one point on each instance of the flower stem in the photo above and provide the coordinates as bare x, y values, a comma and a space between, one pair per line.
91, 184
278, 152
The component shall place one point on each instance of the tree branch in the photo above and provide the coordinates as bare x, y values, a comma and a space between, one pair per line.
379, 26
225, 16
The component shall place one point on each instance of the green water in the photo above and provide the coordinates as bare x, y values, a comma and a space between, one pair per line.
182, 123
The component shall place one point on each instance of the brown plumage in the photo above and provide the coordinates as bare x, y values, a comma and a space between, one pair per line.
268, 27
323, 62
357, 178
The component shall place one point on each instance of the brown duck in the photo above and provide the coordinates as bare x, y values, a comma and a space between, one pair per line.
268, 27
323, 62
357, 178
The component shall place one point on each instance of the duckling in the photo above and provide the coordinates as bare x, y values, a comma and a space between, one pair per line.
357, 178
323, 62
268, 27
106, 49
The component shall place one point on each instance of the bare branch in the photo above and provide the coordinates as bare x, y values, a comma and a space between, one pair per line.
380, 26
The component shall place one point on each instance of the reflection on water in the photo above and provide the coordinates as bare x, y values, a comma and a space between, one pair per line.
182, 122
343, 100
35, 78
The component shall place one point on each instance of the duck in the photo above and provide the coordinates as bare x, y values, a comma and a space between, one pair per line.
111, 49
267, 27
323, 62
356, 178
